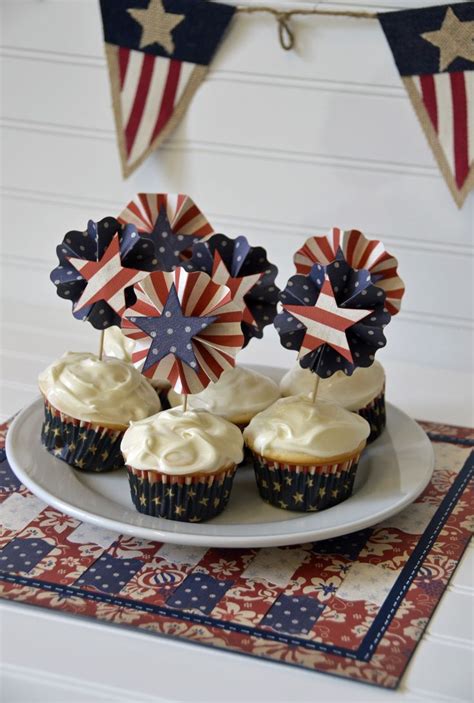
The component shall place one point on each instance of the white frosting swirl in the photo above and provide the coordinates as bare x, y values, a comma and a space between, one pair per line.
296, 430
121, 347
179, 443
238, 395
352, 392
107, 391
118, 345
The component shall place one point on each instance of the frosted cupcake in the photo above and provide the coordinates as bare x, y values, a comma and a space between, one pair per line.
306, 454
237, 396
363, 392
181, 465
88, 405
121, 347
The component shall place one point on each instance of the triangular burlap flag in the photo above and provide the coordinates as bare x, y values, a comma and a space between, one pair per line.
158, 53
434, 52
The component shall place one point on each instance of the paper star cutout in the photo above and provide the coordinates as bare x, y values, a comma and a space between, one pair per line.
454, 39
168, 244
239, 286
172, 332
157, 25
106, 279
326, 322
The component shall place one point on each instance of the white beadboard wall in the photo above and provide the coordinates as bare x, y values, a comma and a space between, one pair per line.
276, 145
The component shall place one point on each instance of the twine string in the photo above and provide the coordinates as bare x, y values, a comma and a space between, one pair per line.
286, 35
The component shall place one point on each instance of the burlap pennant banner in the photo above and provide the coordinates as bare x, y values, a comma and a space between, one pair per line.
159, 52
434, 52
158, 55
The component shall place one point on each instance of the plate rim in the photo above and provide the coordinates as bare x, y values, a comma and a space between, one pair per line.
219, 541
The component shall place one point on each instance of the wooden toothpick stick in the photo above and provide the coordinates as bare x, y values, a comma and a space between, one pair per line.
101, 345
315, 388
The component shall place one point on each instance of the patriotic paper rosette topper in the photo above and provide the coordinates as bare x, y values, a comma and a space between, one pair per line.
186, 329
334, 317
246, 271
173, 221
360, 253
98, 268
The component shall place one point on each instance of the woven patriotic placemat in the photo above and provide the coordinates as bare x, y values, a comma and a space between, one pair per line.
355, 606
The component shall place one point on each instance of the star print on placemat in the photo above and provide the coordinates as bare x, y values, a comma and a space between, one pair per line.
246, 271
98, 268
334, 318
157, 25
172, 332
454, 39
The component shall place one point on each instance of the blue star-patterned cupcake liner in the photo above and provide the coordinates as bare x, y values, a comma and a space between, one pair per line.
184, 498
86, 446
304, 488
374, 413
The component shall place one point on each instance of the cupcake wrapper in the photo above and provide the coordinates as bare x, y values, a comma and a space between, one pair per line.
183, 498
374, 413
304, 488
84, 445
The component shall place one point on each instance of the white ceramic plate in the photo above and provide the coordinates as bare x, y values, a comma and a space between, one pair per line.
392, 473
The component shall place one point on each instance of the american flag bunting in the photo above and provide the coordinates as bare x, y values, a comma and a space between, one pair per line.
433, 48
158, 53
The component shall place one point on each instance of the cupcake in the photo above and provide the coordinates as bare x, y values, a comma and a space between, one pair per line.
237, 396
121, 347
363, 392
181, 465
305, 454
88, 404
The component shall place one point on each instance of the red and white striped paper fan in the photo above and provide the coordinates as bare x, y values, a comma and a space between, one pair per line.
360, 253
215, 347
183, 214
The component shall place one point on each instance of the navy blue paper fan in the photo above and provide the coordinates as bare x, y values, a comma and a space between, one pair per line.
241, 261
353, 289
136, 251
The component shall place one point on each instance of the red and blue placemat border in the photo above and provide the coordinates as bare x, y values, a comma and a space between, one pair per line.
381, 621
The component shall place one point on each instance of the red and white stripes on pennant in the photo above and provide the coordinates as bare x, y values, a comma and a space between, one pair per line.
183, 214
215, 347
326, 322
360, 253
106, 279
448, 99
147, 92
